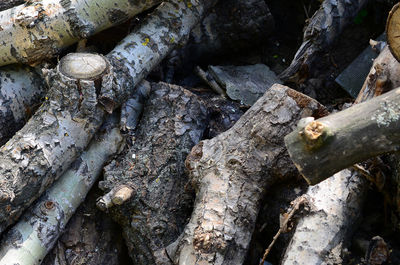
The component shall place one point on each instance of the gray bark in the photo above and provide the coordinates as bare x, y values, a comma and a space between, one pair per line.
147, 186
21, 91
28, 242
43, 149
347, 137
38, 30
324, 28
6, 4
231, 173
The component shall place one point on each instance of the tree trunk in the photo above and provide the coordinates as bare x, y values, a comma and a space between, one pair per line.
21, 90
42, 150
360, 132
146, 186
231, 173
28, 242
37, 30
323, 29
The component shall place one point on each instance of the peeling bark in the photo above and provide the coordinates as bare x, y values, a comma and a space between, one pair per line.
43, 149
38, 30
347, 137
231, 173
147, 186
28, 242
324, 28
21, 91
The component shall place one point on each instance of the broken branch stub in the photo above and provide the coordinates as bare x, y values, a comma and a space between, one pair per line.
347, 137
232, 172
38, 30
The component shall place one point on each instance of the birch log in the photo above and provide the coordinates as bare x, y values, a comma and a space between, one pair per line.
231, 173
147, 186
324, 28
21, 91
85, 87
38, 30
28, 242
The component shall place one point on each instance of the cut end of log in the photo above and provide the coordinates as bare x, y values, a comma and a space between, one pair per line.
314, 130
86, 66
392, 31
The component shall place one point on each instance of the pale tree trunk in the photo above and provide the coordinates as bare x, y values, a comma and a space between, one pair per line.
151, 173
21, 91
232, 172
28, 242
323, 29
38, 30
78, 98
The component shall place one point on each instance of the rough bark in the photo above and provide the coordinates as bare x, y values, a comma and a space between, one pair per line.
90, 238
335, 207
360, 132
28, 242
43, 149
21, 91
382, 77
324, 28
147, 185
231, 173
37, 30
6, 4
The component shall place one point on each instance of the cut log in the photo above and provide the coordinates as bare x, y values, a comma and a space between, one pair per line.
21, 91
231, 173
90, 238
321, 235
37, 30
392, 31
28, 242
323, 29
360, 132
147, 185
44, 148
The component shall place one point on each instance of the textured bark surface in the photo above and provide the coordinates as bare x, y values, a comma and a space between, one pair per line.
90, 238
382, 77
43, 149
335, 206
38, 30
6, 4
231, 173
360, 132
21, 91
28, 242
154, 213
324, 28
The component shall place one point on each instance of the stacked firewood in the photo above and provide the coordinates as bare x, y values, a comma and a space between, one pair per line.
153, 132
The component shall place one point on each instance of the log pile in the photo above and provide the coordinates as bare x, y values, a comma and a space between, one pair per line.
176, 132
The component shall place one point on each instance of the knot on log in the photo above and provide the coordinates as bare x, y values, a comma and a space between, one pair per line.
314, 134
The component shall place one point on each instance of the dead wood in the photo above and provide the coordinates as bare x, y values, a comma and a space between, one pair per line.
147, 189
231, 173
323, 29
79, 97
6, 4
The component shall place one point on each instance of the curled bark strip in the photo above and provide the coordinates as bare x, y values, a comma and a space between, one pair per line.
231, 173
360, 132
146, 185
37, 30
28, 242
21, 91
324, 28
42, 150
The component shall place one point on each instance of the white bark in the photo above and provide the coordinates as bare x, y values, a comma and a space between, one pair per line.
21, 90
39, 29
28, 242
335, 207
63, 126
